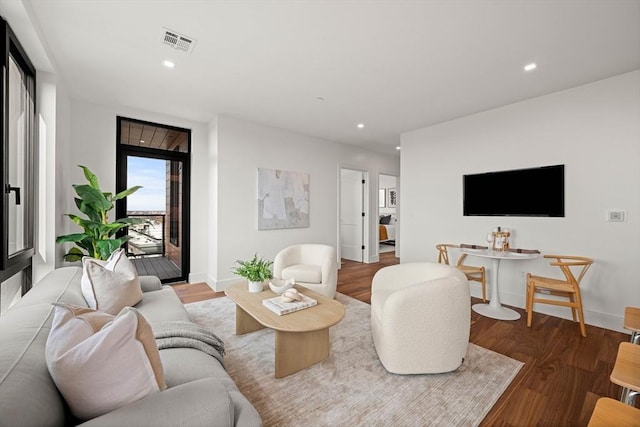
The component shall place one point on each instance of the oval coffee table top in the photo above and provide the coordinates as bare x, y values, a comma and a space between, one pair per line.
325, 314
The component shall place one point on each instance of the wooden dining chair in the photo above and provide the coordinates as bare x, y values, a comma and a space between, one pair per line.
632, 323
626, 372
568, 287
477, 274
610, 412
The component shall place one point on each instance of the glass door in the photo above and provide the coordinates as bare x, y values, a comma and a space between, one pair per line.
155, 157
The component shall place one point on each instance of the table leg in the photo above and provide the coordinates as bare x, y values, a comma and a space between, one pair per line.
494, 309
245, 323
299, 350
494, 302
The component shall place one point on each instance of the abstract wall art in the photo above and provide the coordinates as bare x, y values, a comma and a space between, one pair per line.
283, 199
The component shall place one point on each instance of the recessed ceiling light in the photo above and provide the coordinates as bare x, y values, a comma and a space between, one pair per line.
360, 125
168, 64
142, 141
398, 147
530, 67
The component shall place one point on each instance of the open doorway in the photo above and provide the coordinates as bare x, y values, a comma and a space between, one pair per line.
156, 157
387, 213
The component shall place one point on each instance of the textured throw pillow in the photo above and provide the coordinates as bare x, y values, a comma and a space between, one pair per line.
101, 362
385, 219
110, 285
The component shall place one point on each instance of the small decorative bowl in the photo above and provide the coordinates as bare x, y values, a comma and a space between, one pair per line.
279, 286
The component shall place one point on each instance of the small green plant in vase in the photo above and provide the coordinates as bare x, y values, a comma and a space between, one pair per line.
256, 271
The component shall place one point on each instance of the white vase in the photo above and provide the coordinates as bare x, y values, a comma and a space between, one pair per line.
255, 286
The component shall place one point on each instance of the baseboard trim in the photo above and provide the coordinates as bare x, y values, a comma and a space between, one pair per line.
216, 285
198, 278
593, 318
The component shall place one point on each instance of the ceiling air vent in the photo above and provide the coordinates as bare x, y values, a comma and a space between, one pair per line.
178, 41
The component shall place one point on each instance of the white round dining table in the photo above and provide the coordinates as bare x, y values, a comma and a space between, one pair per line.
494, 308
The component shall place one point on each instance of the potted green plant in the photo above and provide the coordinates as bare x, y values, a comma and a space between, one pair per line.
97, 240
256, 271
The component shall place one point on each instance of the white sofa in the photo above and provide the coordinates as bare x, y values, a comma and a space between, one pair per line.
199, 393
314, 266
420, 317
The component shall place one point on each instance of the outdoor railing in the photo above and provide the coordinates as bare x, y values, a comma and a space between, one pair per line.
147, 238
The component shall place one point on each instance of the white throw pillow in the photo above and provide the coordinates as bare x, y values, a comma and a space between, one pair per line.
100, 362
110, 285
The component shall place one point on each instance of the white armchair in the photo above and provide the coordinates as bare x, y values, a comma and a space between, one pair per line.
420, 317
313, 266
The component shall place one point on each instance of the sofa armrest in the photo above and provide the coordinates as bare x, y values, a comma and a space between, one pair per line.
204, 402
150, 283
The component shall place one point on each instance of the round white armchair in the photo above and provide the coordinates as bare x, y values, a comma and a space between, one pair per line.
420, 317
314, 266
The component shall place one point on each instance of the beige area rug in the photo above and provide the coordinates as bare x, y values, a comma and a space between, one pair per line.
351, 387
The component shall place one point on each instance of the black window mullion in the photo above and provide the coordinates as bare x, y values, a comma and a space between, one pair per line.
11, 263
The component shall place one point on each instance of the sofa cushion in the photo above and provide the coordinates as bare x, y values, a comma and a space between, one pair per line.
306, 273
100, 362
28, 395
110, 285
202, 402
187, 365
60, 285
159, 306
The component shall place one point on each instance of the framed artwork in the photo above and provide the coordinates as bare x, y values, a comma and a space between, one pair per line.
283, 199
392, 198
382, 198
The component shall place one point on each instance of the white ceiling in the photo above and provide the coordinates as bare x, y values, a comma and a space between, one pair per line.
393, 65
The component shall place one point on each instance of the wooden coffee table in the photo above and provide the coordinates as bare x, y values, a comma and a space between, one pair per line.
301, 338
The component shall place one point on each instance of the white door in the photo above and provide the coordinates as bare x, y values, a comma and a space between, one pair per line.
351, 215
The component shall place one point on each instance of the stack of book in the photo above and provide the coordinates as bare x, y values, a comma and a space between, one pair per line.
280, 307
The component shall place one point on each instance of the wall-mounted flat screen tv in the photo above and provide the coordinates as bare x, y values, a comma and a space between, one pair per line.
536, 192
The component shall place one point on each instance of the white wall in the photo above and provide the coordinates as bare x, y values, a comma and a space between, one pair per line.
46, 94
594, 130
93, 144
207, 274
61, 171
225, 156
242, 148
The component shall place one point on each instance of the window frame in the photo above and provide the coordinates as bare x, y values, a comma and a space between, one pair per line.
11, 264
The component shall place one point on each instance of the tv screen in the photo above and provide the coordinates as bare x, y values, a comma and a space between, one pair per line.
537, 192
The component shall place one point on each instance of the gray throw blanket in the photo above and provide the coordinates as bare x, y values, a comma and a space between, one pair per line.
175, 334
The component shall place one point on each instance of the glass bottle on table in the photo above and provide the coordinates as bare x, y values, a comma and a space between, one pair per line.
506, 234
498, 240
490, 239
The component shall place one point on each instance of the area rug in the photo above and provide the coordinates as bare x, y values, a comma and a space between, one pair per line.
351, 387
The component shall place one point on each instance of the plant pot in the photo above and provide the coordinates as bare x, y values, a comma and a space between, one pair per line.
256, 287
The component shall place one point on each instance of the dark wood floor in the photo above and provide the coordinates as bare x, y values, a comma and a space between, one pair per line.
563, 376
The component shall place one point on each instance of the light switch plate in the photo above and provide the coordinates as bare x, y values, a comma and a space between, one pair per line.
615, 216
